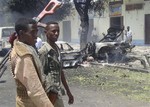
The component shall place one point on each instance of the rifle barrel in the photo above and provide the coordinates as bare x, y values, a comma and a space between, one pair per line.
3, 62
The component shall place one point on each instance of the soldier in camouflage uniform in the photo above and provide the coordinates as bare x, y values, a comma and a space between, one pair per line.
54, 75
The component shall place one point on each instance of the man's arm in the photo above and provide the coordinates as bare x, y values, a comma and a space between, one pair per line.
63, 79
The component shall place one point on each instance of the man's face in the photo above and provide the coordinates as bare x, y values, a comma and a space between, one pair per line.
30, 36
52, 32
128, 28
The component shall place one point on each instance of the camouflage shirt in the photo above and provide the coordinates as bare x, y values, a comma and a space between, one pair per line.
50, 59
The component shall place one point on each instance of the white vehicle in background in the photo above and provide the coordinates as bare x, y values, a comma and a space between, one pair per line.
5, 32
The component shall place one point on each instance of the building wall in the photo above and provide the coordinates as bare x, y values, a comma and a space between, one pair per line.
75, 24
102, 23
133, 18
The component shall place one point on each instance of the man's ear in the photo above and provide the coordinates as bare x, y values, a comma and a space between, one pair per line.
21, 32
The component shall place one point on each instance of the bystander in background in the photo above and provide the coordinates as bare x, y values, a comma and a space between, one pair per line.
38, 43
94, 35
128, 35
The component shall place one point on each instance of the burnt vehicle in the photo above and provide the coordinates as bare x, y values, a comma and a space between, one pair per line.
110, 49
70, 57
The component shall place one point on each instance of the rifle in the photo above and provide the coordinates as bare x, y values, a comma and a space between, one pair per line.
48, 10
3, 62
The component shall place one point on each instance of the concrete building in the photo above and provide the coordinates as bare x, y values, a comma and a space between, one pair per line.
133, 13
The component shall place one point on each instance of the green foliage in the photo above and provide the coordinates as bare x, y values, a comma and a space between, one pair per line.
62, 12
98, 6
34, 7
22, 6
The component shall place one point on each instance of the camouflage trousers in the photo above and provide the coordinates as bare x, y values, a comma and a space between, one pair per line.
59, 102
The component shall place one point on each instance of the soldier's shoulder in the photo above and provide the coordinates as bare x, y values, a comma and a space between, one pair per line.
44, 48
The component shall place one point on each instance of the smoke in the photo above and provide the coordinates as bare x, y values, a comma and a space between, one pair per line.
4, 13
9, 15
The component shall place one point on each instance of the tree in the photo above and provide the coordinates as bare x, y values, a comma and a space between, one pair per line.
82, 7
33, 7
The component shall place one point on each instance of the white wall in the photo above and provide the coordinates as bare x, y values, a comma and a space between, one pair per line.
61, 31
135, 19
75, 24
102, 23
147, 7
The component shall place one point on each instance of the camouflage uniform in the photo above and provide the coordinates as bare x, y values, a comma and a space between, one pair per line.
50, 59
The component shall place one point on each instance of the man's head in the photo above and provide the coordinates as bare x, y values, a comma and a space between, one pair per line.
52, 32
26, 30
128, 28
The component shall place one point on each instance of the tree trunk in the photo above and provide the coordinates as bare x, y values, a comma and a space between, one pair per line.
82, 7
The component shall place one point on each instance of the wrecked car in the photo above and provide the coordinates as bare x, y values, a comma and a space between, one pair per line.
109, 49
70, 57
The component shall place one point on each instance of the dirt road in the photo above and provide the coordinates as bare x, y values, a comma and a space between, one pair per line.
101, 91
85, 97
82, 84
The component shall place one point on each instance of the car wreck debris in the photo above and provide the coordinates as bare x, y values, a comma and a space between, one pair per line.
113, 52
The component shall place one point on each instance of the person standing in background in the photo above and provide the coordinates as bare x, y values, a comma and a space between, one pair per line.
38, 43
94, 35
128, 35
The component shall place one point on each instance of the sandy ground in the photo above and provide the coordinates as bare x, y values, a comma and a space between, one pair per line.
85, 95
88, 94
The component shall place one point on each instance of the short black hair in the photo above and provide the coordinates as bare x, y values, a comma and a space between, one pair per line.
49, 23
22, 24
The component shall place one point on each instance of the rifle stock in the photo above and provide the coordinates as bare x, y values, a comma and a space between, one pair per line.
48, 10
3, 62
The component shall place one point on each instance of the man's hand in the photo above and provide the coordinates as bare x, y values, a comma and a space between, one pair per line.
71, 98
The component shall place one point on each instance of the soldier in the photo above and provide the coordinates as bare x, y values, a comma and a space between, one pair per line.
26, 66
54, 75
